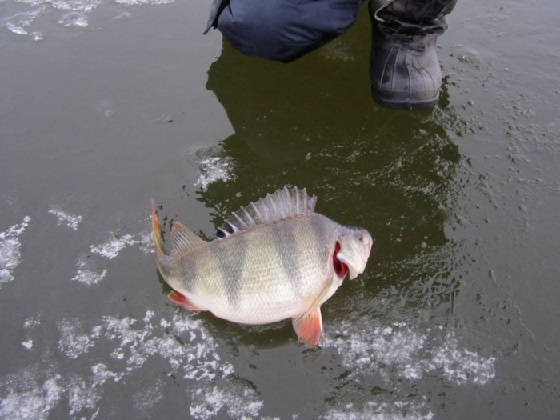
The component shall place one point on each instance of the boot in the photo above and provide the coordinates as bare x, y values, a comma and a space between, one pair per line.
404, 68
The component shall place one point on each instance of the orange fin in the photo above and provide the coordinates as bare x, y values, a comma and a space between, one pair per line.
308, 327
181, 300
156, 232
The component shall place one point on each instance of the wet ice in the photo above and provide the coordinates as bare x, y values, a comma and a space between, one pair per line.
70, 220
24, 15
404, 351
91, 270
36, 390
213, 169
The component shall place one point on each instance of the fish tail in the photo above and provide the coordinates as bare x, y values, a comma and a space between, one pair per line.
162, 258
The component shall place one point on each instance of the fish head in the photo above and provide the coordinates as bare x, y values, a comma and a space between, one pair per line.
352, 251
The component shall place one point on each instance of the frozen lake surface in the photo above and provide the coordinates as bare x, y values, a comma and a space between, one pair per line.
107, 104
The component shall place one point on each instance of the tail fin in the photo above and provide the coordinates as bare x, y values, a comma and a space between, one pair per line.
161, 255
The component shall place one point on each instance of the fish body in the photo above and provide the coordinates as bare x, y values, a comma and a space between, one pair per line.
278, 259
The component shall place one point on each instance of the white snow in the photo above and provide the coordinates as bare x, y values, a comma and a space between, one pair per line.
213, 169
72, 342
25, 14
26, 395
397, 410
126, 344
70, 220
10, 250
27, 345
113, 246
86, 272
401, 351
238, 402
91, 270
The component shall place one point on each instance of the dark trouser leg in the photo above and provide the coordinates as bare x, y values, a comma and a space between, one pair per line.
404, 68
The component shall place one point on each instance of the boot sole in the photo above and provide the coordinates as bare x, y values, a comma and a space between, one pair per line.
400, 104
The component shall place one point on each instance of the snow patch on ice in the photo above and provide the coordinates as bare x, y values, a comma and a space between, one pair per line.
111, 248
461, 365
72, 342
238, 402
402, 351
31, 322
398, 410
144, 241
126, 344
88, 269
84, 394
26, 396
70, 220
213, 169
87, 273
10, 250
68, 13
18, 23
27, 345
195, 353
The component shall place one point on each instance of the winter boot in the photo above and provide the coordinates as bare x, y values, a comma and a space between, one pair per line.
404, 68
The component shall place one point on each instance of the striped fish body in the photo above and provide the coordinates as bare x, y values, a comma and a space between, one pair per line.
272, 272
278, 259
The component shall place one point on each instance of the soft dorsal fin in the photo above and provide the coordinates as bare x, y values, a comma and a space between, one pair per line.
183, 239
282, 204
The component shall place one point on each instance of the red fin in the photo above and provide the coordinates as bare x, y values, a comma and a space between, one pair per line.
308, 327
181, 300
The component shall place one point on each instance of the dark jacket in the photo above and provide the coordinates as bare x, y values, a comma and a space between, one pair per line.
281, 29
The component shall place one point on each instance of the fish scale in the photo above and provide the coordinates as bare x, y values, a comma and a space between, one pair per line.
278, 259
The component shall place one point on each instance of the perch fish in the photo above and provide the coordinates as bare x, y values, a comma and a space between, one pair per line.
274, 259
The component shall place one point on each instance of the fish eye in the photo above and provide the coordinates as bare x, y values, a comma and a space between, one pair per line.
361, 238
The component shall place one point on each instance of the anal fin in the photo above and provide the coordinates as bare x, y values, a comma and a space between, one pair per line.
309, 326
181, 300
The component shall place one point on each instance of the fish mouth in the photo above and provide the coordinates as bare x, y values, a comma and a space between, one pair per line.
352, 269
354, 265
340, 268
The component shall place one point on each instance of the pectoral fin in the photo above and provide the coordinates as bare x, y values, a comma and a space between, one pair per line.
181, 300
309, 326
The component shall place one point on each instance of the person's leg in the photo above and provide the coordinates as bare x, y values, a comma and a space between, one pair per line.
404, 68
282, 30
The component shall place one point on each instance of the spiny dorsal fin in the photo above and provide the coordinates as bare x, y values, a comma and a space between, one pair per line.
282, 204
183, 239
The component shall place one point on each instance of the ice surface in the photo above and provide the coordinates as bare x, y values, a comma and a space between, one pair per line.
10, 250
91, 270
111, 248
72, 342
27, 345
27, 395
31, 322
70, 220
148, 397
18, 22
381, 411
126, 344
401, 351
69, 13
238, 402
213, 169
87, 273
136, 2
